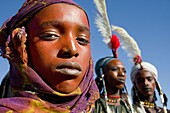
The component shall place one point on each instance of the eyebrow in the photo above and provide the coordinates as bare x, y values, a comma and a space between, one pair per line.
59, 25
51, 23
84, 28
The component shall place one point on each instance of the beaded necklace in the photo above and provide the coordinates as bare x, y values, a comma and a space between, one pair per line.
147, 104
113, 99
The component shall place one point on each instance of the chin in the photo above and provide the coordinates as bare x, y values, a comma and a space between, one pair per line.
65, 87
64, 91
147, 94
120, 87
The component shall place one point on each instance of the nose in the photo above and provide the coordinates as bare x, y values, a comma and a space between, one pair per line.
69, 48
121, 73
146, 82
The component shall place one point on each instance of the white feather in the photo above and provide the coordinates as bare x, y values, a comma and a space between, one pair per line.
128, 44
162, 97
102, 21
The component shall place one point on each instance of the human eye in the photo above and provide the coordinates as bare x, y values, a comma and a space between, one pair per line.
150, 78
114, 68
82, 40
49, 36
140, 80
124, 70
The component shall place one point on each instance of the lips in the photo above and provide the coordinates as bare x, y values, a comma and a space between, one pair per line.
69, 68
121, 80
147, 89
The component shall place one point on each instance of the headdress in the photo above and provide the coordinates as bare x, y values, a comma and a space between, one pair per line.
130, 46
145, 66
26, 82
103, 25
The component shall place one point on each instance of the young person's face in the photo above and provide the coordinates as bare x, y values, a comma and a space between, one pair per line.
115, 74
58, 45
145, 83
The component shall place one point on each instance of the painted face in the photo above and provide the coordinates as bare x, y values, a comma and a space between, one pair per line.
59, 47
145, 83
115, 74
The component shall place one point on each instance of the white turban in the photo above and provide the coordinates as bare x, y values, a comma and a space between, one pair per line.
146, 66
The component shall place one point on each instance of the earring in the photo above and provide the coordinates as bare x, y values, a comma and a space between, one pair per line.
90, 61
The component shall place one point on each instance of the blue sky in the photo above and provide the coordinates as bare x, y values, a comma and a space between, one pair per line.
147, 21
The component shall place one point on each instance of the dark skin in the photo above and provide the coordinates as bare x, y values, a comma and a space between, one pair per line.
115, 76
59, 47
145, 84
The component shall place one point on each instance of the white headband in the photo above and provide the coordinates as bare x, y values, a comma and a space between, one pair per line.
146, 66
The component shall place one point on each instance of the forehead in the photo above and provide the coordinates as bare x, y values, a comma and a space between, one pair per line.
62, 12
144, 74
115, 62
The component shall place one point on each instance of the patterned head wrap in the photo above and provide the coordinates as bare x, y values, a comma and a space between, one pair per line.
25, 13
145, 66
32, 93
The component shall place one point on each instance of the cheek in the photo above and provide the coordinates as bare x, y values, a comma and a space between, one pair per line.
125, 76
153, 85
84, 56
139, 86
85, 51
41, 55
111, 76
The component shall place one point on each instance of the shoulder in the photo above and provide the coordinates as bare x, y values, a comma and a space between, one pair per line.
5, 88
161, 110
125, 98
11, 104
127, 102
138, 109
100, 102
168, 111
100, 106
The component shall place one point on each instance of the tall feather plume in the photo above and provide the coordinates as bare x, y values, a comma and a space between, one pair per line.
102, 21
128, 44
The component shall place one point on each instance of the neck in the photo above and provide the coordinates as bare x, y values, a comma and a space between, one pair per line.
113, 92
147, 98
113, 98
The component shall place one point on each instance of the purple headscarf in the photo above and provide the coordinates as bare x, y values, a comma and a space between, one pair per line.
25, 13
31, 93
